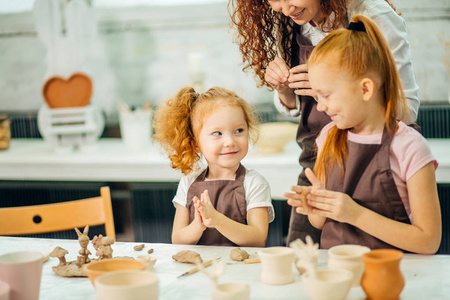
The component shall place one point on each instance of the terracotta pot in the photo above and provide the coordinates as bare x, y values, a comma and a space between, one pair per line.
382, 278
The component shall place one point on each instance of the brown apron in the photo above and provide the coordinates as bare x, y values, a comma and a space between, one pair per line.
311, 123
227, 197
375, 190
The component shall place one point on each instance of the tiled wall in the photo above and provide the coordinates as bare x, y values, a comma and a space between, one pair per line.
142, 53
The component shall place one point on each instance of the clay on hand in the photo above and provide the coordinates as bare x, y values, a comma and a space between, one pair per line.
238, 254
188, 256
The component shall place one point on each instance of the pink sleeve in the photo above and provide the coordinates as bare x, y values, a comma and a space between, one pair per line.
413, 154
321, 138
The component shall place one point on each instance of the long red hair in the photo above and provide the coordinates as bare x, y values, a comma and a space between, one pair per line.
359, 53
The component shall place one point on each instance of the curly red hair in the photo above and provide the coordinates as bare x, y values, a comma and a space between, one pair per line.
262, 33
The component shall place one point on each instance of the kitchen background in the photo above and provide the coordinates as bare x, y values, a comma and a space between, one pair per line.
139, 51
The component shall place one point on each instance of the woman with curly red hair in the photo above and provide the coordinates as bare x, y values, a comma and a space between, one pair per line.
276, 37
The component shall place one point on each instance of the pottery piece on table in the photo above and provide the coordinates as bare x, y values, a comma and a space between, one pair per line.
148, 260
382, 278
328, 284
306, 255
103, 246
230, 291
60, 254
188, 256
83, 240
129, 284
4, 291
239, 254
277, 265
73, 92
97, 268
348, 257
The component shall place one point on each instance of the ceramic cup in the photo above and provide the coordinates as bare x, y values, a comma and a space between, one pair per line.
4, 291
22, 271
135, 129
230, 291
348, 257
328, 284
130, 284
148, 260
277, 265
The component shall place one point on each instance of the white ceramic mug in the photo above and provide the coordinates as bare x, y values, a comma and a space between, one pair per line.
348, 257
277, 265
129, 284
22, 271
230, 291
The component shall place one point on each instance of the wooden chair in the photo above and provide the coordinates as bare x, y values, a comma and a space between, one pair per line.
59, 216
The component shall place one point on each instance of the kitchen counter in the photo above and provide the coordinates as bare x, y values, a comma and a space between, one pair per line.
108, 160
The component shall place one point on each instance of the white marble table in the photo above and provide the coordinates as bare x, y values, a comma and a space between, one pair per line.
427, 277
108, 160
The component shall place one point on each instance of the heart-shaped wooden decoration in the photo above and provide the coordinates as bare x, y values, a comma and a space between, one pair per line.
74, 92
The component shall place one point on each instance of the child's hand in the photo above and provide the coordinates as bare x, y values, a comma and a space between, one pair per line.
334, 205
298, 199
207, 210
198, 220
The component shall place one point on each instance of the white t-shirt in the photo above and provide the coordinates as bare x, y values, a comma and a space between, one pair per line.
394, 30
408, 154
257, 191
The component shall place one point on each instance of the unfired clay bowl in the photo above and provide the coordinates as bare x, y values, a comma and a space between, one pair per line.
275, 135
230, 291
148, 260
277, 265
348, 257
328, 285
97, 268
129, 284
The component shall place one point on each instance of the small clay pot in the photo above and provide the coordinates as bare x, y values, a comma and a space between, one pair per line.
382, 278
348, 257
328, 284
277, 265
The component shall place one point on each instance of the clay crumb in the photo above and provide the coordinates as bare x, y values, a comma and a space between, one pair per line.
139, 247
150, 250
188, 256
238, 254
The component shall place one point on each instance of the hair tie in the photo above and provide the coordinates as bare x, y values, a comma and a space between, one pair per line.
196, 96
356, 26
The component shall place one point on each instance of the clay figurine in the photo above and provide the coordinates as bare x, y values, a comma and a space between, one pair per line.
83, 239
60, 254
305, 255
104, 250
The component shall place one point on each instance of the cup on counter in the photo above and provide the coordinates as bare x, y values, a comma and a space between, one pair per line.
22, 271
129, 284
348, 257
277, 265
135, 128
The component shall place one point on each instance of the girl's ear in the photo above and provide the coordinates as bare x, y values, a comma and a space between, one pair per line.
367, 86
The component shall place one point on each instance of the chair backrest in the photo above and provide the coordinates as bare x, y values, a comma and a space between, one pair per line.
59, 216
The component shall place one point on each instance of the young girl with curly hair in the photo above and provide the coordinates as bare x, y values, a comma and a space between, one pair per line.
374, 179
275, 38
224, 203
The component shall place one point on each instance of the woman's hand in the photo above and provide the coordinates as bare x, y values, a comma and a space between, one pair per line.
299, 81
277, 75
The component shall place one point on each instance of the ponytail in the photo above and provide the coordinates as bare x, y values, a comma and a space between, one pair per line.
360, 50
